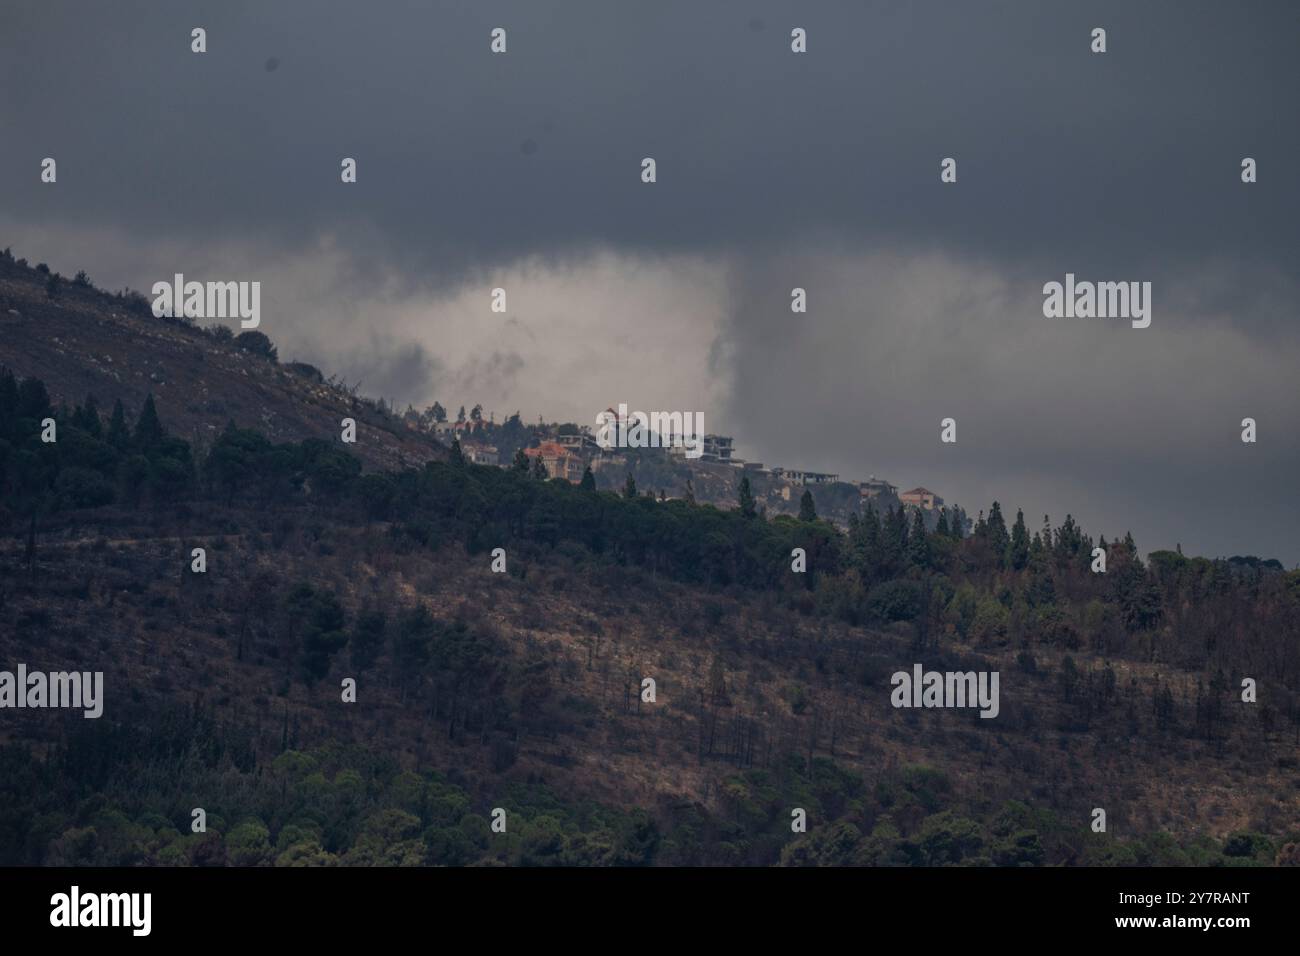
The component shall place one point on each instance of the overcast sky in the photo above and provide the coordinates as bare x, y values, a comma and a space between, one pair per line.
775, 170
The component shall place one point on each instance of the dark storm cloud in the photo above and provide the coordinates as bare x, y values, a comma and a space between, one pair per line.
1124, 160
498, 368
401, 375
1127, 429
818, 170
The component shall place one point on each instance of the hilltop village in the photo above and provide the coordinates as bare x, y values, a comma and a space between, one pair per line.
711, 476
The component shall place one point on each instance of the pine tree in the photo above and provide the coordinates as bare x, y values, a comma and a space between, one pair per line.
118, 436
807, 507
1018, 550
90, 422
1041, 589
1068, 539
998, 538
894, 543
872, 557
33, 399
957, 523
747, 507
148, 429
941, 529
918, 548
629, 486
588, 480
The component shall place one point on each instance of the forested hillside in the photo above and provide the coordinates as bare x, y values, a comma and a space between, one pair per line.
521, 688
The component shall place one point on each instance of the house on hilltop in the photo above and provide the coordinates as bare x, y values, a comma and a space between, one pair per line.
717, 448
481, 454
796, 477
874, 487
558, 461
921, 498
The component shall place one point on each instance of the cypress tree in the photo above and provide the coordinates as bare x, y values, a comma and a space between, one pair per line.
118, 436
90, 422
148, 429
998, 538
747, 506
894, 544
1018, 550
872, 558
918, 548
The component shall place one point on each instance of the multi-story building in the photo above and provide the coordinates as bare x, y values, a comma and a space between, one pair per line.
481, 454
921, 498
717, 448
558, 461
874, 487
581, 442
797, 477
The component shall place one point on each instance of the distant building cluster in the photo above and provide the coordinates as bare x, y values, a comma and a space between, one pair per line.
567, 451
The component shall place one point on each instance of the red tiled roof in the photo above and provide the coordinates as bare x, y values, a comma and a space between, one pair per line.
549, 449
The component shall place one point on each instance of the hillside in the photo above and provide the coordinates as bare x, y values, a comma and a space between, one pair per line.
82, 341
521, 687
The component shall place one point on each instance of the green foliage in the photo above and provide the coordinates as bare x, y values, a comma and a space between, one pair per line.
895, 601
877, 572
257, 343
748, 508
324, 633
368, 638
99, 801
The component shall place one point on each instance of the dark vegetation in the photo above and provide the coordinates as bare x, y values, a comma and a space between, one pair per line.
1147, 658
